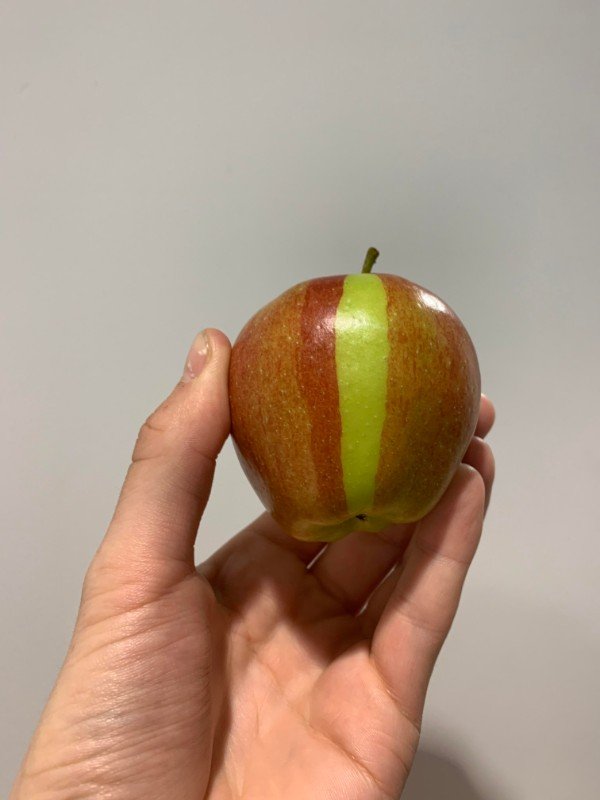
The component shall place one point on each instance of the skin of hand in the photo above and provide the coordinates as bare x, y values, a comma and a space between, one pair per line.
261, 673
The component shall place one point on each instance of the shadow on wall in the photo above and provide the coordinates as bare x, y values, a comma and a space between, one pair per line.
437, 777
539, 670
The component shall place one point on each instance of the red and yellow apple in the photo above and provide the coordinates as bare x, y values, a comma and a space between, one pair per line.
353, 399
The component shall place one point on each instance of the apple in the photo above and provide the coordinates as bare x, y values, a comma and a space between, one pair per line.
353, 399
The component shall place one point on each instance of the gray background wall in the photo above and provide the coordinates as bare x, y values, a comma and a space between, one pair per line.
171, 165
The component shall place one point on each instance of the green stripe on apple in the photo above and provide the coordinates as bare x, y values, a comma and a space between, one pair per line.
361, 355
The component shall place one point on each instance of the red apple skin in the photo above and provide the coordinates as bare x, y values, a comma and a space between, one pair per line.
286, 422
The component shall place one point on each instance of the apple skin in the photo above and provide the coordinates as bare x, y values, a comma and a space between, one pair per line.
353, 400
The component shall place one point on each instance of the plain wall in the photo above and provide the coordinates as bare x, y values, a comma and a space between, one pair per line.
171, 165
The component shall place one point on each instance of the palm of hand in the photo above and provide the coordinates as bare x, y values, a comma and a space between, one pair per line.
244, 678
255, 676
305, 711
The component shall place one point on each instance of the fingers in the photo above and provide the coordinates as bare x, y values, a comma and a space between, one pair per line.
170, 476
350, 569
411, 612
480, 456
487, 416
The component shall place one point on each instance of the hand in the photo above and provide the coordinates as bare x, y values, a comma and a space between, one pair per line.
253, 676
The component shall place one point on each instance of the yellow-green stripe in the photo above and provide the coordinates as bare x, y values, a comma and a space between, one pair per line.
361, 354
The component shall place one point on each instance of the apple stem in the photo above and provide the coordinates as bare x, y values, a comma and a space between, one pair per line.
370, 259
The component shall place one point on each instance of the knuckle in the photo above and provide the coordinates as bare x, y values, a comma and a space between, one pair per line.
480, 456
94, 581
476, 482
486, 464
153, 436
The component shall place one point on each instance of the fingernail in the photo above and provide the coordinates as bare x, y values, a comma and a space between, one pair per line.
197, 357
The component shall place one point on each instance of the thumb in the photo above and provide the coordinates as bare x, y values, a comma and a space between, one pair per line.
170, 476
